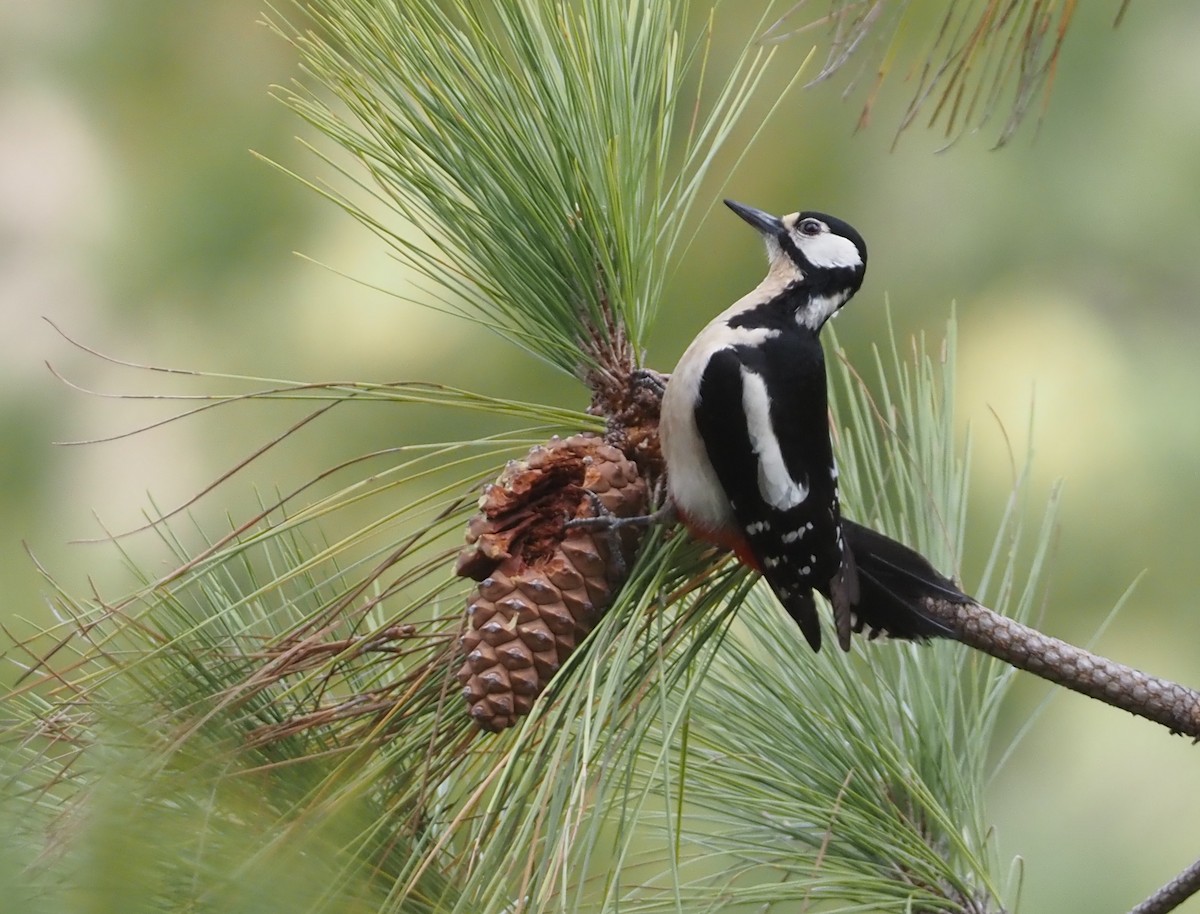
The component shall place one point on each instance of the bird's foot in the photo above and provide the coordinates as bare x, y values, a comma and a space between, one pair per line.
605, 520
650, 379
608, 525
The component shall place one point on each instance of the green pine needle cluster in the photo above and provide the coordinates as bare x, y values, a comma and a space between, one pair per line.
532, 148
298, 691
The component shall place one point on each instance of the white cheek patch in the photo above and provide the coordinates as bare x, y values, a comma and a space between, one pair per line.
827, 250
775, 483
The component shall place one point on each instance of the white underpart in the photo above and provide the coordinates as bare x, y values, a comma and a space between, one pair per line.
827, 250
775, 483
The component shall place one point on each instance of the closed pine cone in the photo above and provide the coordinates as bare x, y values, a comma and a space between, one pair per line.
542, 586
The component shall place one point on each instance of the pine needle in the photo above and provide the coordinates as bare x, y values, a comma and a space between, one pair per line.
531, 146
980, 59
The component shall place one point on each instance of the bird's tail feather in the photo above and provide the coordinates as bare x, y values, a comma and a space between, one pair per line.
894, 580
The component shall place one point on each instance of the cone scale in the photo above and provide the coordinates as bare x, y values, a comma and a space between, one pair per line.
542, 586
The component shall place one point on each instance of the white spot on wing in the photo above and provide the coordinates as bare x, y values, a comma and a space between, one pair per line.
776, 484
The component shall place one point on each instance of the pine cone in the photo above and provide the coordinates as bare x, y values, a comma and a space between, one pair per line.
542, 586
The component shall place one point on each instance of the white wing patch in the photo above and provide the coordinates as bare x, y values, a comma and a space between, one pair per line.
828, 250
776, 484
694, 484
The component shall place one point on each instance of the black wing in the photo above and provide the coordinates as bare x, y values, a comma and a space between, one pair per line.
797, 542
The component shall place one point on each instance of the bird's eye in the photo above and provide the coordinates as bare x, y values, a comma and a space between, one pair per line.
811, 227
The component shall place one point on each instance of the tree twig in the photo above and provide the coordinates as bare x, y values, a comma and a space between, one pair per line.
1174, 706
1173, 894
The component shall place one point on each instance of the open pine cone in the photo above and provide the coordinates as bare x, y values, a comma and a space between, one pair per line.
542, 585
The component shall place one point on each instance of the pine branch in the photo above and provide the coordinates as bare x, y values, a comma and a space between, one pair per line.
319, 669
1173, 894
1175, 706
267, 654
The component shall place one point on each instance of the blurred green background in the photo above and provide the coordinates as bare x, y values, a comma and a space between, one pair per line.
133, 216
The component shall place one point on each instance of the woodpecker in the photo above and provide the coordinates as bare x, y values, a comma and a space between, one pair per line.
745, 435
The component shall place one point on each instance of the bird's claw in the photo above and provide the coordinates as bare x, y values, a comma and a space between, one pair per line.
649, 378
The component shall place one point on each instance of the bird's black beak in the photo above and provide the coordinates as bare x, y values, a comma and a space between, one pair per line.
764, 222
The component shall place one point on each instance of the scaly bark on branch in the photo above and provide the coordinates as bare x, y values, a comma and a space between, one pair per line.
1173, 894
1174, 706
